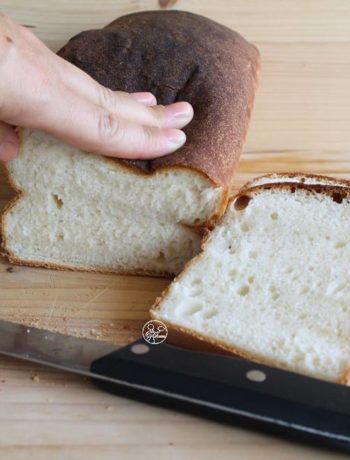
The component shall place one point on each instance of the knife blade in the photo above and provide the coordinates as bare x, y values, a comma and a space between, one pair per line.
224, 388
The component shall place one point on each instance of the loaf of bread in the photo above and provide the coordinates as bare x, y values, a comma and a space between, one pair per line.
82, 211
272, 282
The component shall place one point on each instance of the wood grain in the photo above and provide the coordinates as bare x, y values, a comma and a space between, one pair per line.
300, 123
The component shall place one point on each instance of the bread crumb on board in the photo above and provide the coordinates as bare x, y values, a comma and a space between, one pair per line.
35, 378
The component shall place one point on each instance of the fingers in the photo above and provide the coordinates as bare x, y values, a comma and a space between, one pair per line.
124, 105
95, 129
175, 115
116, 124
42, 91
8, 142
117, 137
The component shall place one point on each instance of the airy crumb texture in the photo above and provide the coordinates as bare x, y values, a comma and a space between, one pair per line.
273, 281
85, 211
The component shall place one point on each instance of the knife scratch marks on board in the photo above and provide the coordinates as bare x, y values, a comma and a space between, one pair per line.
93, 298
53, 306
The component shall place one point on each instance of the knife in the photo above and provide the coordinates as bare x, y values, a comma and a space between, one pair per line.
216, 386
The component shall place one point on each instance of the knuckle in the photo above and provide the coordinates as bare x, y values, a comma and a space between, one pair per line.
149, 138
6, 37
108, 126
107, 98
8, 25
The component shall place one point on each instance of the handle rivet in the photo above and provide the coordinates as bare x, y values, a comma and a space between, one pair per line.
140, 349
255, 375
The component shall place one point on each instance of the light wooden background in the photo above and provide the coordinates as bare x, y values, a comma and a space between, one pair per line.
301, 122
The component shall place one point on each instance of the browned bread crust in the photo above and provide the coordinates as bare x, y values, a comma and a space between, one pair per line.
179, 56
299, 177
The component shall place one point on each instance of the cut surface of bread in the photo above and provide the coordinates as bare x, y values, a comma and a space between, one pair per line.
84, 211
272, 283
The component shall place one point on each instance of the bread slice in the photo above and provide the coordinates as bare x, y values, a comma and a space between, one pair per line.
311, 179
81, 211
272, 283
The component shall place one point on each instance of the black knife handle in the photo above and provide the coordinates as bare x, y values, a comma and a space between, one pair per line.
230, 390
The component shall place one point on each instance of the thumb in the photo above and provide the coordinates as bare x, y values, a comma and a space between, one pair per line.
8, 142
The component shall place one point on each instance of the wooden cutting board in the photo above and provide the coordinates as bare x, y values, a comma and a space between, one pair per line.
301, 122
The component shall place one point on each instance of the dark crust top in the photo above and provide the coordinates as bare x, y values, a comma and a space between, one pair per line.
179, 56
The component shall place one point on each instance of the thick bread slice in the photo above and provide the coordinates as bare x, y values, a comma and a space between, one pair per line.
311, 179
82, 211
272, 283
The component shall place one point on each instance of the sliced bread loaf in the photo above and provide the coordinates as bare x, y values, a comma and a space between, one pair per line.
82, 211
272, 283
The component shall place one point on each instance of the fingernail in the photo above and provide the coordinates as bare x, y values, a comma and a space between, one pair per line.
8, 151
176, 138
179, 111
145, 98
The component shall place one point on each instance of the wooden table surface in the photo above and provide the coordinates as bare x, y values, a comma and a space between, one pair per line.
301, 122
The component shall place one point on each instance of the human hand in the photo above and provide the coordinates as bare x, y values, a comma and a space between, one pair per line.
40, 90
